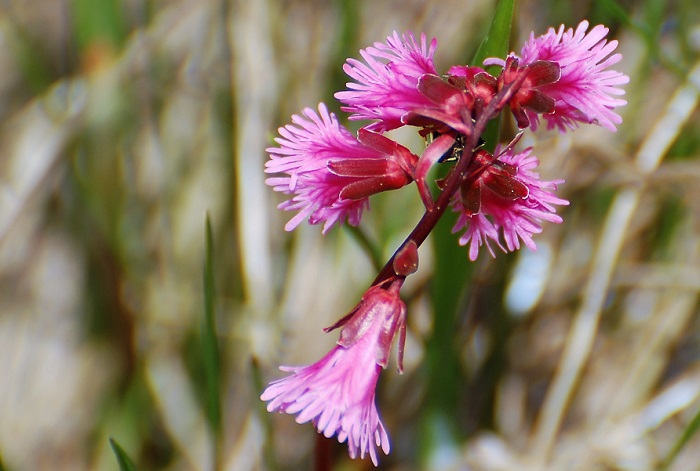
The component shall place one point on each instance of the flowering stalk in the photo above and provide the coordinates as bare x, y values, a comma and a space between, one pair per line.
432, 215
331, 174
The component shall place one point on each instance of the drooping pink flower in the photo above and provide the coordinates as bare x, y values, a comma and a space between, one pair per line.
337, 393
587, 88
384, 88
506, 198
330, 172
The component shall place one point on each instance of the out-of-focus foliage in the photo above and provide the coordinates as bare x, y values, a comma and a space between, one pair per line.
125, 463
124, 123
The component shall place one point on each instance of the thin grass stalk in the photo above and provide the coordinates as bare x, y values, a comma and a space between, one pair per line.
580, 339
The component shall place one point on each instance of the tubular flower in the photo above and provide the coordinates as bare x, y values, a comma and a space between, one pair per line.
506, 197
330, 172
586, 90
385, 87
337, 393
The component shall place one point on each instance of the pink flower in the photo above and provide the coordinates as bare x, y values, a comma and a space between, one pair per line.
507, 197
385, 87
337, 393
330, 172
586, 90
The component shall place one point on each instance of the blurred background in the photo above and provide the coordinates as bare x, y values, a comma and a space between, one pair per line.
123, 124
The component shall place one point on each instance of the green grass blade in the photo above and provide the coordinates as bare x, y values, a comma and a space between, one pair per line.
344, 46
210, 346
607, 11
125, 463
444, 378
98, 21
496, 43
31, 60
685, 437
450, 282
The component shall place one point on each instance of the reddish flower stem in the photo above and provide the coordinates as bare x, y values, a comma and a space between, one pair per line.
323, 455
460, 174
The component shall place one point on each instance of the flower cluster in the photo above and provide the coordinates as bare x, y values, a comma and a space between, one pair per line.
512, 195
562, 77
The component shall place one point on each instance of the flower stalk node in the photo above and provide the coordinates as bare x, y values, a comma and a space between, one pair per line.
406, 260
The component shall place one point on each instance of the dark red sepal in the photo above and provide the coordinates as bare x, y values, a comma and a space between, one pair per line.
470, 194
504, 186
371, 186
542, 73
360, 168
